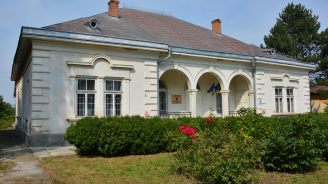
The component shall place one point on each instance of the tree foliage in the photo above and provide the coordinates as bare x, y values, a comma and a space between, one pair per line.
7, 114
295, 32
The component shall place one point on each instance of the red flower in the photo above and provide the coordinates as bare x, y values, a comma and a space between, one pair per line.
194, 139
187, 130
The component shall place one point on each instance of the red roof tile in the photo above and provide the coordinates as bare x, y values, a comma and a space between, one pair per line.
319, 88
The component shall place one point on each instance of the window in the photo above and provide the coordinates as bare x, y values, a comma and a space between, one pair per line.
162, 98
219, 103
290, 99
86, 97
162, 102
278, 99
113, 97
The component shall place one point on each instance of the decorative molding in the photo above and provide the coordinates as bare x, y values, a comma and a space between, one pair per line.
120, 66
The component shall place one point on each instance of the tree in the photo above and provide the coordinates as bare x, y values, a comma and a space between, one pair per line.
7, 114
323, 42
295, 32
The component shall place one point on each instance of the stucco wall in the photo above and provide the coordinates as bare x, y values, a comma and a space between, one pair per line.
55, 67
23, 99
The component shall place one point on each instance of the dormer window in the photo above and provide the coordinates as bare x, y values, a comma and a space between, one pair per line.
93, 24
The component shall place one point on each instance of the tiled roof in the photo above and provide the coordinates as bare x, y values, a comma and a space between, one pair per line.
318, 89
151, 27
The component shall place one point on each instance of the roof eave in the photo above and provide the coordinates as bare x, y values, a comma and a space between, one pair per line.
284, 63
82, 38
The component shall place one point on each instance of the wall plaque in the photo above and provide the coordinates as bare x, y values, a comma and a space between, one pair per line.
176, 99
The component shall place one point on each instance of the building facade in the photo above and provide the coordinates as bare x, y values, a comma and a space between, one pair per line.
131, 62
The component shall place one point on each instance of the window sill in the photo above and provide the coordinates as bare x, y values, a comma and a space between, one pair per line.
72, 120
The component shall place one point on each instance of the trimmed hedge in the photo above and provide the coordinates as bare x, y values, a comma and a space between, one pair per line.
85, 135
119, 136
134, 136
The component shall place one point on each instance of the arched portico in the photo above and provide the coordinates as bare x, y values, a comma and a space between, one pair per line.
209, 98
173, 92
240, 92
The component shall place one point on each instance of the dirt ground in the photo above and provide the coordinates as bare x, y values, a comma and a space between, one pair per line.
23, 166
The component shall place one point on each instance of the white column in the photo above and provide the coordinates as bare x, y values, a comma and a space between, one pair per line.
193, 102
251, 100
225, 102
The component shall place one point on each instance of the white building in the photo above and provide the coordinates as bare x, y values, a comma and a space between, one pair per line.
131, 62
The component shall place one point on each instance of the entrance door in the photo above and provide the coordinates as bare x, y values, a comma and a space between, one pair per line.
162, 102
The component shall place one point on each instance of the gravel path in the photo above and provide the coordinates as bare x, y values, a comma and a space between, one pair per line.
26, 167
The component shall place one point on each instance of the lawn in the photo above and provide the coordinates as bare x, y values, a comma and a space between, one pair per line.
318, 177
130, 169
149, 169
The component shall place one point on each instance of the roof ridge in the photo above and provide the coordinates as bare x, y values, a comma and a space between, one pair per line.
155, 12
82, 18
181, 20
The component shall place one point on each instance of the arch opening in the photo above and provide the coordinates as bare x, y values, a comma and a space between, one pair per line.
239, 95
209, 98
173, 92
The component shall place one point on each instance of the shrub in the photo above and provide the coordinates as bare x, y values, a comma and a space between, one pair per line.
118, 136
134, 135
219, 156
322, 139
326, 109
85, 135
292, 147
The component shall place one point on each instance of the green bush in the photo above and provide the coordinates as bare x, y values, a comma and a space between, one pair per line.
85, 135
292, 146
134, 135
322, 140
118, 136
326, 109
7, 114
220, 156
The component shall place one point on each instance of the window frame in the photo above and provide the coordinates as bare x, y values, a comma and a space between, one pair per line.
290, 99
278, 100
114, 93
86, 92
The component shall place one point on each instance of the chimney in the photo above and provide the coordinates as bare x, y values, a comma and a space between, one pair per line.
113, 8
216, 26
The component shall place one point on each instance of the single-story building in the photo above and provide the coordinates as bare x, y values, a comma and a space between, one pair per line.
319, 98
132, 62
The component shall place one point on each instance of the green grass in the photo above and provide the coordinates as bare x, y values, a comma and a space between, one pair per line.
130, 169
150, 169
320, 176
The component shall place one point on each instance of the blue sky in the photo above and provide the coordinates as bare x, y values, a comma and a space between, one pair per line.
247, 21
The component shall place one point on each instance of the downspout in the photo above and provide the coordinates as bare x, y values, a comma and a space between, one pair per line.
254, 81
169, 55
